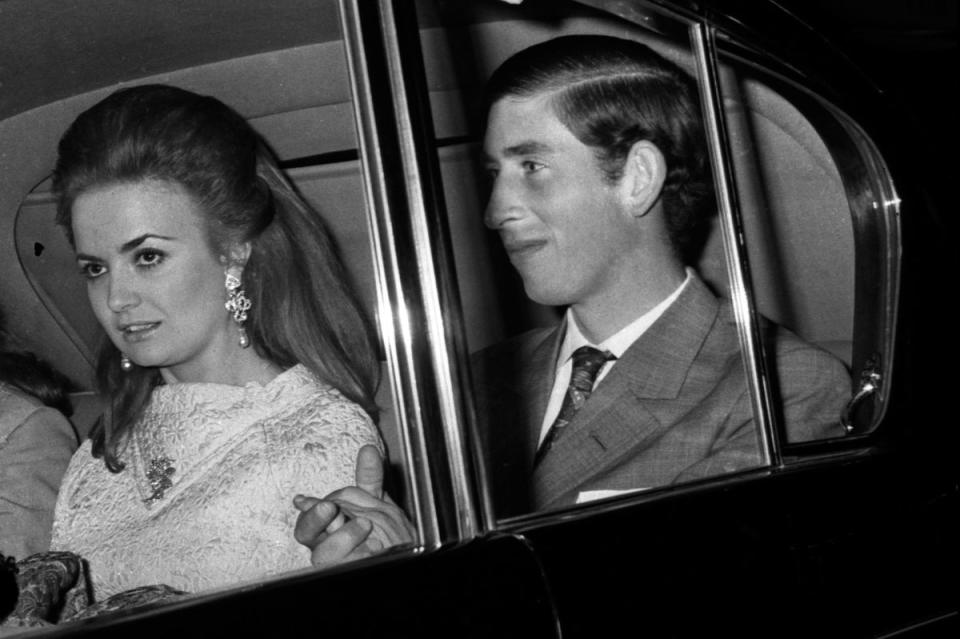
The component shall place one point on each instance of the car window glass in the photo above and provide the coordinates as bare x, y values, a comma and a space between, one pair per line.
818, 218
657, 414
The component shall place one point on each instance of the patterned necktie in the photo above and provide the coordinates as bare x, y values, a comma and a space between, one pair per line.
587, 362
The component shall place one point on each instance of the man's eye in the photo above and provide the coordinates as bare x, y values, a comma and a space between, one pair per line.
91, 270
149, 258
529, 166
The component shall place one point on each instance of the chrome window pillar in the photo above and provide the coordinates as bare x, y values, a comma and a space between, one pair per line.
418, 302
738, 269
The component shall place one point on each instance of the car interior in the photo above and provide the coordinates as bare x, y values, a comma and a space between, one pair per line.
282, 65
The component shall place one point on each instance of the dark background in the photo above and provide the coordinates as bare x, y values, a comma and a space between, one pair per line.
908, 48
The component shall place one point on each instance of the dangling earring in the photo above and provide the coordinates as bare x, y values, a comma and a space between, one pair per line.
125, 364
238, 304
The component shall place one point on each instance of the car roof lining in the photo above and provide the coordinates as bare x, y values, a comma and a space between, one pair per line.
299, 99
54, 49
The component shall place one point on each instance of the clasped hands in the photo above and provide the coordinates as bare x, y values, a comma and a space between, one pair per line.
353, 522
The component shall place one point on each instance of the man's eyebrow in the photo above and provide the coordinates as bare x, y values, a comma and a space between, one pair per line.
530, 147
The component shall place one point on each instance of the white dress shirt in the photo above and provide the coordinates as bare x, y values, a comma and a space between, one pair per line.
617, 344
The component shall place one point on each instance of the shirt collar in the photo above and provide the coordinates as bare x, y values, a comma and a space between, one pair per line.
619, 342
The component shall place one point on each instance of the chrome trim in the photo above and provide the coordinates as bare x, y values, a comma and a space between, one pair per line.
391, 305
703, 39
874, 212
453, 424
882, 216
870, 383
412, 258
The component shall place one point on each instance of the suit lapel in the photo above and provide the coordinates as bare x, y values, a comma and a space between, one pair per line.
537, 384
513, 381
623, 411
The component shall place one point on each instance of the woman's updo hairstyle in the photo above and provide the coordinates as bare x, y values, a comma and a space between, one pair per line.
158, 132
304, 310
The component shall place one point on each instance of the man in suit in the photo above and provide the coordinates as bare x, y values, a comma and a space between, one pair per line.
601, 194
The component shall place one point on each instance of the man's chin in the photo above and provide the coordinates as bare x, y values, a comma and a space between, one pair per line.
546, 296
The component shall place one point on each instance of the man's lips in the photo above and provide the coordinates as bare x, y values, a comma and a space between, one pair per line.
515, 246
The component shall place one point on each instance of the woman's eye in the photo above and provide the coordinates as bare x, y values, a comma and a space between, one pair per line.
149, 258
91, 270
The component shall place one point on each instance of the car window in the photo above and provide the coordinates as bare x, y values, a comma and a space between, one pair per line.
629, 446
299, 99
820, 222
813, 233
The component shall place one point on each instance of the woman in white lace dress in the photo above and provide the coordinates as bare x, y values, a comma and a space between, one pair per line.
240, 366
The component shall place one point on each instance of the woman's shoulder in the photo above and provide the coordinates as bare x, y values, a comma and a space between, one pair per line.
314, 440
299, 386
320, 407
318, 417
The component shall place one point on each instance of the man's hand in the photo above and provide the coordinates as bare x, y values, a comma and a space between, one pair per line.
353, 522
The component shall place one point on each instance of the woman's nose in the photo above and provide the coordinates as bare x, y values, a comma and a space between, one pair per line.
122, 294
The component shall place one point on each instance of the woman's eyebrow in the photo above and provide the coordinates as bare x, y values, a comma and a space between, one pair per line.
127, 246
137, 241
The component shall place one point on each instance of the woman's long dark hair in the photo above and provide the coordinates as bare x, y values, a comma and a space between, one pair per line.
303, 309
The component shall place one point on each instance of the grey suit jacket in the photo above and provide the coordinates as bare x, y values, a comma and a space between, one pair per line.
36, 443
674, 408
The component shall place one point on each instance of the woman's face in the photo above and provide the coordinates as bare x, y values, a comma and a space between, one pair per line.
153, 281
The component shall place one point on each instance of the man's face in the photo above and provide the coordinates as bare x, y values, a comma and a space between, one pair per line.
563, 226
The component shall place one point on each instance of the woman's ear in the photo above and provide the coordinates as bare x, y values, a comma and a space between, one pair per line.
643, 175
236, 258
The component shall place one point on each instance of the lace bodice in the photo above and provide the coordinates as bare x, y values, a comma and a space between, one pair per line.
239, 455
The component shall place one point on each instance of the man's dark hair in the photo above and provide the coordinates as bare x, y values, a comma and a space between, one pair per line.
611, 93
33, 376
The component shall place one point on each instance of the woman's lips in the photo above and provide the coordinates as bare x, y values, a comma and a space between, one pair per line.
138, 331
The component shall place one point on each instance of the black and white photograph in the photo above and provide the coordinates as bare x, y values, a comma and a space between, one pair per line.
478, 318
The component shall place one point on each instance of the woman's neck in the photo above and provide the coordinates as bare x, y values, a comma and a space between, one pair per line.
239, 368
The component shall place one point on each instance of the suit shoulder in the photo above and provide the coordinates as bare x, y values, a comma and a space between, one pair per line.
502, 355
20, 412
797, 356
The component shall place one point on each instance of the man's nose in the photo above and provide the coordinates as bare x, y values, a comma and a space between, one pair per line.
503, 206
122, 294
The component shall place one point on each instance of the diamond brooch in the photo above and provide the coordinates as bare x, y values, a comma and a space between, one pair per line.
161, 468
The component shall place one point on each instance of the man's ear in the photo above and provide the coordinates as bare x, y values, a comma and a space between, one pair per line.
643, 175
